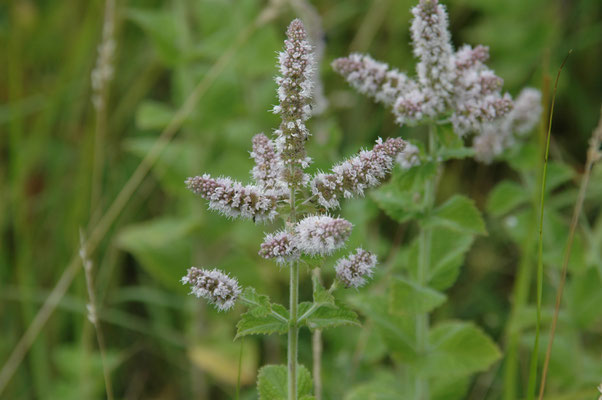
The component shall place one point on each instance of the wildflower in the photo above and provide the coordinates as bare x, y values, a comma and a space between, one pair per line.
214, 285
353, 269
268, 168
351, 177
294, 95
233, 199
432, 45
497, 136
281, 246
373, 78
408, 157
321, 235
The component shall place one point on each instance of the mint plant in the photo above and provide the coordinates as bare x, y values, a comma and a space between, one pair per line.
283, 189
456, 96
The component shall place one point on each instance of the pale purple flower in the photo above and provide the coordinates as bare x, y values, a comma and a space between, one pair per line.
497, 136
280, 246
353, 270
233, 199
432, 45
372, 78
408, 157
268, 168
321, 235
351, 177
294, 95
213, 285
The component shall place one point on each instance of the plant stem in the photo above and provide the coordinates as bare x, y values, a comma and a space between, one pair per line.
316, 346
534, 354
293, 329
424, 245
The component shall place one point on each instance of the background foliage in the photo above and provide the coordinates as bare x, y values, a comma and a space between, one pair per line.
163, 344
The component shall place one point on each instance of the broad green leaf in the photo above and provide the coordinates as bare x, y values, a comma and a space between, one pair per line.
272, 382
449, 388
398, 332
459, 349
161, 27
386, 386
161, 246
409, 298
328, 317
505, 197
153, 115
257, 303
458, 213
584, 299
257, 324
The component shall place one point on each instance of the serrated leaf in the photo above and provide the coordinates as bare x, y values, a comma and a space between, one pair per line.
322, 296
153, 115
409, 298
458, 213
272, 382
459, 349
258, 304
328, 317
253, 324
505, 197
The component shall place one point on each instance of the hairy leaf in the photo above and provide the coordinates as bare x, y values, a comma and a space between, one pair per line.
328, 317
458, 213
409, 298
272, 383
505, 197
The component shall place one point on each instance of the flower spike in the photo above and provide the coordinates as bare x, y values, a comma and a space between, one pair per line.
214, 285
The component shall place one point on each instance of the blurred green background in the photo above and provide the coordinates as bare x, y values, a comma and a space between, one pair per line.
161, 343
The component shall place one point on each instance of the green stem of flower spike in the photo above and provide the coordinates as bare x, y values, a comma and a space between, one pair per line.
293, 329
424, 261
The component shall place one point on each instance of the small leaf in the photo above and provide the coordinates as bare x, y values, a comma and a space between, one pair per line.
328, 317
458, 213
252, 324
409, 298
153, 115
322, 296
272, 382
459, 349
258, 304
505, 197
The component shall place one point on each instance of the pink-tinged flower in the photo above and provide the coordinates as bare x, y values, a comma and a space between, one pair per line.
294, 95
351, 177
280, 246
321, 235
497, 136
268, 168
373, 78
214, 286
234, 200
408, 157
432, 45
353, 270
467, 57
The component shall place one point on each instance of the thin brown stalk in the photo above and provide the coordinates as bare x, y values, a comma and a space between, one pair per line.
93, 316
122, 199
593, 155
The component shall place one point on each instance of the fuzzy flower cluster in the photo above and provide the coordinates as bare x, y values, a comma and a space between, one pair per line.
321, 234
281, 246
351, 177
269, 167
448, 84
213, 285
353, 269
233, 199
409, 157
498, 136
294, 95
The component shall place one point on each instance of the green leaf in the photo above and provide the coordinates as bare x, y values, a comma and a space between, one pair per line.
153, 115
322, 297
409, 298
259, 304
328, 317
459, 349
252, 323
161, 246
458, 213
505, 197
385, 386
272, 383
161, 27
